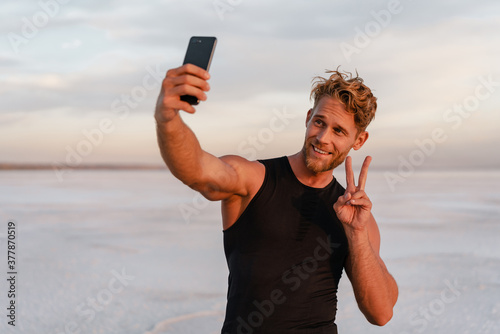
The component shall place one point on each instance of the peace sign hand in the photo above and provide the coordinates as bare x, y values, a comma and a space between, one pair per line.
353, 208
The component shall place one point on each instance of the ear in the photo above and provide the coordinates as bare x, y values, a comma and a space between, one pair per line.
309, 115
360, 140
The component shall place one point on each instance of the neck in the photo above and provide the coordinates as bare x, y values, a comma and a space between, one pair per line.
307, 176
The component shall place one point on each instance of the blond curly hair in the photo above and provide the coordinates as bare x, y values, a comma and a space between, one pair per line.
356, 97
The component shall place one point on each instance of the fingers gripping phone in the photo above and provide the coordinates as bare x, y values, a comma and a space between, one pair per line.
199, 52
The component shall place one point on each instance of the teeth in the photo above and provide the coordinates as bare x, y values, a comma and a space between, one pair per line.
320, 151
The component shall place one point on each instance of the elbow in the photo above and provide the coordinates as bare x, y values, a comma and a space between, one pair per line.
380, 319
383, 320
384, 312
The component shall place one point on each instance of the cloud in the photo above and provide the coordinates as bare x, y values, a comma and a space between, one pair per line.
9, 61
427, 58
74, 44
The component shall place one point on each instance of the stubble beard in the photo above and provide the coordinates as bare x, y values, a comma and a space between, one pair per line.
317, 166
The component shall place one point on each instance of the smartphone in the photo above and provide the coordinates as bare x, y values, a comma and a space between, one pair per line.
199, 52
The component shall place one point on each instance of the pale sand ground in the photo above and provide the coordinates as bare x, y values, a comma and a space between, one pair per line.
438, 230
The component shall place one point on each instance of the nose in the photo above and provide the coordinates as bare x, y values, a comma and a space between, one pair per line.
323, 136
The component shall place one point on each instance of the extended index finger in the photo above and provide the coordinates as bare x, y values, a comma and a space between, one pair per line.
349, 174
364, 173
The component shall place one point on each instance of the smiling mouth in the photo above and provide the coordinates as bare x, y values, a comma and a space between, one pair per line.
320, 151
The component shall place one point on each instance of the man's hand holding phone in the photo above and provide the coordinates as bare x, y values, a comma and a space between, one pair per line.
186, 85
188, 79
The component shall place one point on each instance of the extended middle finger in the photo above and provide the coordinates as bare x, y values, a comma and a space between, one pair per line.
364, 173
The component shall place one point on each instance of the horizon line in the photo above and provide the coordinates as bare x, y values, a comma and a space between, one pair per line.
132, 166
96, 166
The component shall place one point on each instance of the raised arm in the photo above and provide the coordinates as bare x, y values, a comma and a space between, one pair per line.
215, 178
375, 289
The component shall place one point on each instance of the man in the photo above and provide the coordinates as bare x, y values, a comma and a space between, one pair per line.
289, 227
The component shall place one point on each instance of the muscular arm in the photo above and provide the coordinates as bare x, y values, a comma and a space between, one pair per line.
375, 289
215, 178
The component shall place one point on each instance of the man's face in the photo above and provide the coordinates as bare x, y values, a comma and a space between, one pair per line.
330, 135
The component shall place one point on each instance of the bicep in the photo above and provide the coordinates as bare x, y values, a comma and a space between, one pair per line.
224, 177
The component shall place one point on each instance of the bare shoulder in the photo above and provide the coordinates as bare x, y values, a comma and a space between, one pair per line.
249, 171
252, 174
237, 160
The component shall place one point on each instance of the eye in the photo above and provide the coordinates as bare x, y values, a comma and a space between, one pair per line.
318, 122
338, 130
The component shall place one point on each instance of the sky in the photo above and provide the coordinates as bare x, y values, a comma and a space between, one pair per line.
79, 79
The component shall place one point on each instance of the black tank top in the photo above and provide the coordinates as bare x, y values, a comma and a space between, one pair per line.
285, 255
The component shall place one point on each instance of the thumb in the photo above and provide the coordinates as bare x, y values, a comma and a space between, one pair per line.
341, 201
